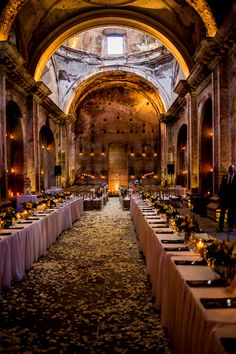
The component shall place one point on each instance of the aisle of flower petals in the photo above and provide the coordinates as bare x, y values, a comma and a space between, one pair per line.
90, 294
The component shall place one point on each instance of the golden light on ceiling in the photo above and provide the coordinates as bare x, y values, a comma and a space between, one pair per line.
206, 15
13, 7
110, 18
8, 17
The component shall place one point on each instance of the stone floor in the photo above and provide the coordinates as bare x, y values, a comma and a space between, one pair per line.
89, 294
210, 226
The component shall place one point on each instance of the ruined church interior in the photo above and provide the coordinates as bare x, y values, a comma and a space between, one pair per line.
117, 120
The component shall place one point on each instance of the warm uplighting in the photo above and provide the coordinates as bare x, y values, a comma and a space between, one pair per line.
189, 203
102, 153
48, 148
185, 172
132, 154
42, 147
217, 215
80, 154
200, 244
12, 137
211, 169
132, 177
143, 154
183, 148
155, 154
155, 176
13, 170
10, 194
42, 172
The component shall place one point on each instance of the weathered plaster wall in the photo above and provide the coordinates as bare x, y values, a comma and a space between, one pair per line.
117, 115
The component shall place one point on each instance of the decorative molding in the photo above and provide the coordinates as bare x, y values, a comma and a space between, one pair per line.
197, 76
177, 107
182, 88
168, 119
12, 65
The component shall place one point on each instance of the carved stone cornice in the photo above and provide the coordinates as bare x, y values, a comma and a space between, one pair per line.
206, 51
182, 88
212, 51
177, 107
197, 76
12, 64
168, 119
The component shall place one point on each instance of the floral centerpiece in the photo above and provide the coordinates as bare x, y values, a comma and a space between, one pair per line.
220, 251
145, 195
29, 205
7, 215
221, 256
188, 226
123, 191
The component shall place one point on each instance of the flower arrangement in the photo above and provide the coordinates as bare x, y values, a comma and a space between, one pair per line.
144, 195
29, 205
221, 256
221, 251
123, 191
6, 216
188, 226
160, 206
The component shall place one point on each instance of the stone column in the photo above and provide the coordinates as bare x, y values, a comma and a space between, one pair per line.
31, 144
62, 154
71, 151
163, 154
222, 124
3, 157
193, 143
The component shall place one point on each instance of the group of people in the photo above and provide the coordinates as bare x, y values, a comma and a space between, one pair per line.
227, 194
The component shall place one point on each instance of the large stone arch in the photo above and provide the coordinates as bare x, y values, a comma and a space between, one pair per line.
81, 88
109, 17
14, 149
206, 150
12, 8
181, 158
47, 157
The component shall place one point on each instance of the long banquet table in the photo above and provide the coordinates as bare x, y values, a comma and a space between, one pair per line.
22, 245
192, 327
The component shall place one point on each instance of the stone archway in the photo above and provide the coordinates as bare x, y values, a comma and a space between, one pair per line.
206, 151
47, 158
14, 149
181, 170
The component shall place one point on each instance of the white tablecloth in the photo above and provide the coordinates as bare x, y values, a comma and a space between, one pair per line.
192, 328
25, 245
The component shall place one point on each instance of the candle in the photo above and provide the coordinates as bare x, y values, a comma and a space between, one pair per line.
200, 244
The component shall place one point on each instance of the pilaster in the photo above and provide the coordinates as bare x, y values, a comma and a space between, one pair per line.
31, 147
222, 124
3, 159
193, 142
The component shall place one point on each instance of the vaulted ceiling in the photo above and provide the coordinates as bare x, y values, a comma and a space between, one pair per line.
42, 25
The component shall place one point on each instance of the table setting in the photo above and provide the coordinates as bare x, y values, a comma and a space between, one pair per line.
199, 270
28, 235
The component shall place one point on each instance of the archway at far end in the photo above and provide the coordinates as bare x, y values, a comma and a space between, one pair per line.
117, 166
